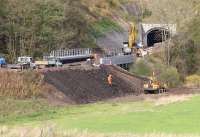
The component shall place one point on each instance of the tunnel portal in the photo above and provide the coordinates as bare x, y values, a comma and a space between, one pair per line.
157, 35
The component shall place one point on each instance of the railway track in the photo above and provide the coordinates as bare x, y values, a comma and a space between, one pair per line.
135, 82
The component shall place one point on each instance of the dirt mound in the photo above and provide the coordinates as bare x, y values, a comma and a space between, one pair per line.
85, 86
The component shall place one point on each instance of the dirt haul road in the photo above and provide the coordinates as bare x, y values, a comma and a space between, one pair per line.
90, 85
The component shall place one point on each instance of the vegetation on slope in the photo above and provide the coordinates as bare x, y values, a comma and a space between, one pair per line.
35, 27
185, 46
180, 12
38, 26
21, 85
164, 73
185, 49
103, 26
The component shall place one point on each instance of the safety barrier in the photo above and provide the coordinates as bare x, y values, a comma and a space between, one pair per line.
65, 54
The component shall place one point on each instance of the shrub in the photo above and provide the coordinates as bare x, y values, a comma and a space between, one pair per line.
193, 81
103, 26
114, 3
184, 55
170, 76
147, 13
141, 68
163, 73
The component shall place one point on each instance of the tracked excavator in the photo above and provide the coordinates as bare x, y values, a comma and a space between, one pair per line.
131, 46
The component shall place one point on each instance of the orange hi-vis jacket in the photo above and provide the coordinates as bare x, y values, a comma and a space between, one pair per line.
110, 79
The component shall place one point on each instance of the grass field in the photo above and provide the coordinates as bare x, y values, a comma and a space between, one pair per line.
174, 115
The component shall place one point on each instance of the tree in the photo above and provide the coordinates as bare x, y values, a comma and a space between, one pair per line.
77, 24
3, 38
185, 56
32, 29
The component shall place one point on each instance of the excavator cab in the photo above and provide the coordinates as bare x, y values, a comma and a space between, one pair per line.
131, 46
126, 49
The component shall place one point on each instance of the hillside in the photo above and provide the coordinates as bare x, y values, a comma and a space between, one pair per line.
38, 26
35, 27
171, 11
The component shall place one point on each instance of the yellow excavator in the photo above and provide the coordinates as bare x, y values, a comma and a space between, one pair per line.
153, 86
131, 45
132, 36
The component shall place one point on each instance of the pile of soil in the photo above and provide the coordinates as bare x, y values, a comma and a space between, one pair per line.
90, 85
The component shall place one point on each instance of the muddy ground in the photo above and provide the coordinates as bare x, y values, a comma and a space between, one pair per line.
80, 85
171, 93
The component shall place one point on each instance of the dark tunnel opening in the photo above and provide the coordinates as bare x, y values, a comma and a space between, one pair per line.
157, 36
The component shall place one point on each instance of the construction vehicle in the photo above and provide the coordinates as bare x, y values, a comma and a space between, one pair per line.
23, 62
131, 46
48, 63
153, 86
37, 64
2, 62
26, 62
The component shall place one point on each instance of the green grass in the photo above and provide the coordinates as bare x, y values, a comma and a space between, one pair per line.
136, 118
14, 111
103, 26
117, 117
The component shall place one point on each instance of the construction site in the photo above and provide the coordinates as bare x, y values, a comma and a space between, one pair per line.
106, 68
86, 75
89, 75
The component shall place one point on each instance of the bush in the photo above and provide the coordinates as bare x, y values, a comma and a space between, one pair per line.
103, 26
184, 55
141, 68
193, 81
114, 3
170, 76
147, 13
163, 73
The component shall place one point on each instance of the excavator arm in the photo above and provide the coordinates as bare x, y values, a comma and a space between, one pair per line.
132, 36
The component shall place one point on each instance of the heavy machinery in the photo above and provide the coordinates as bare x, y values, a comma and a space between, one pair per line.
153, 86
48, 63
131, 46
26, 62
23, 62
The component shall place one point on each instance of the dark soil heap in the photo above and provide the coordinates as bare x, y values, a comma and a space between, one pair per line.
86, 86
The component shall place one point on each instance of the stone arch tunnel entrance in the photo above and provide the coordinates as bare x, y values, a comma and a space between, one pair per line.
157, 35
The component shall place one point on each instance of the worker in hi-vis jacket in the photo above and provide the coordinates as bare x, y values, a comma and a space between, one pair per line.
109, 80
